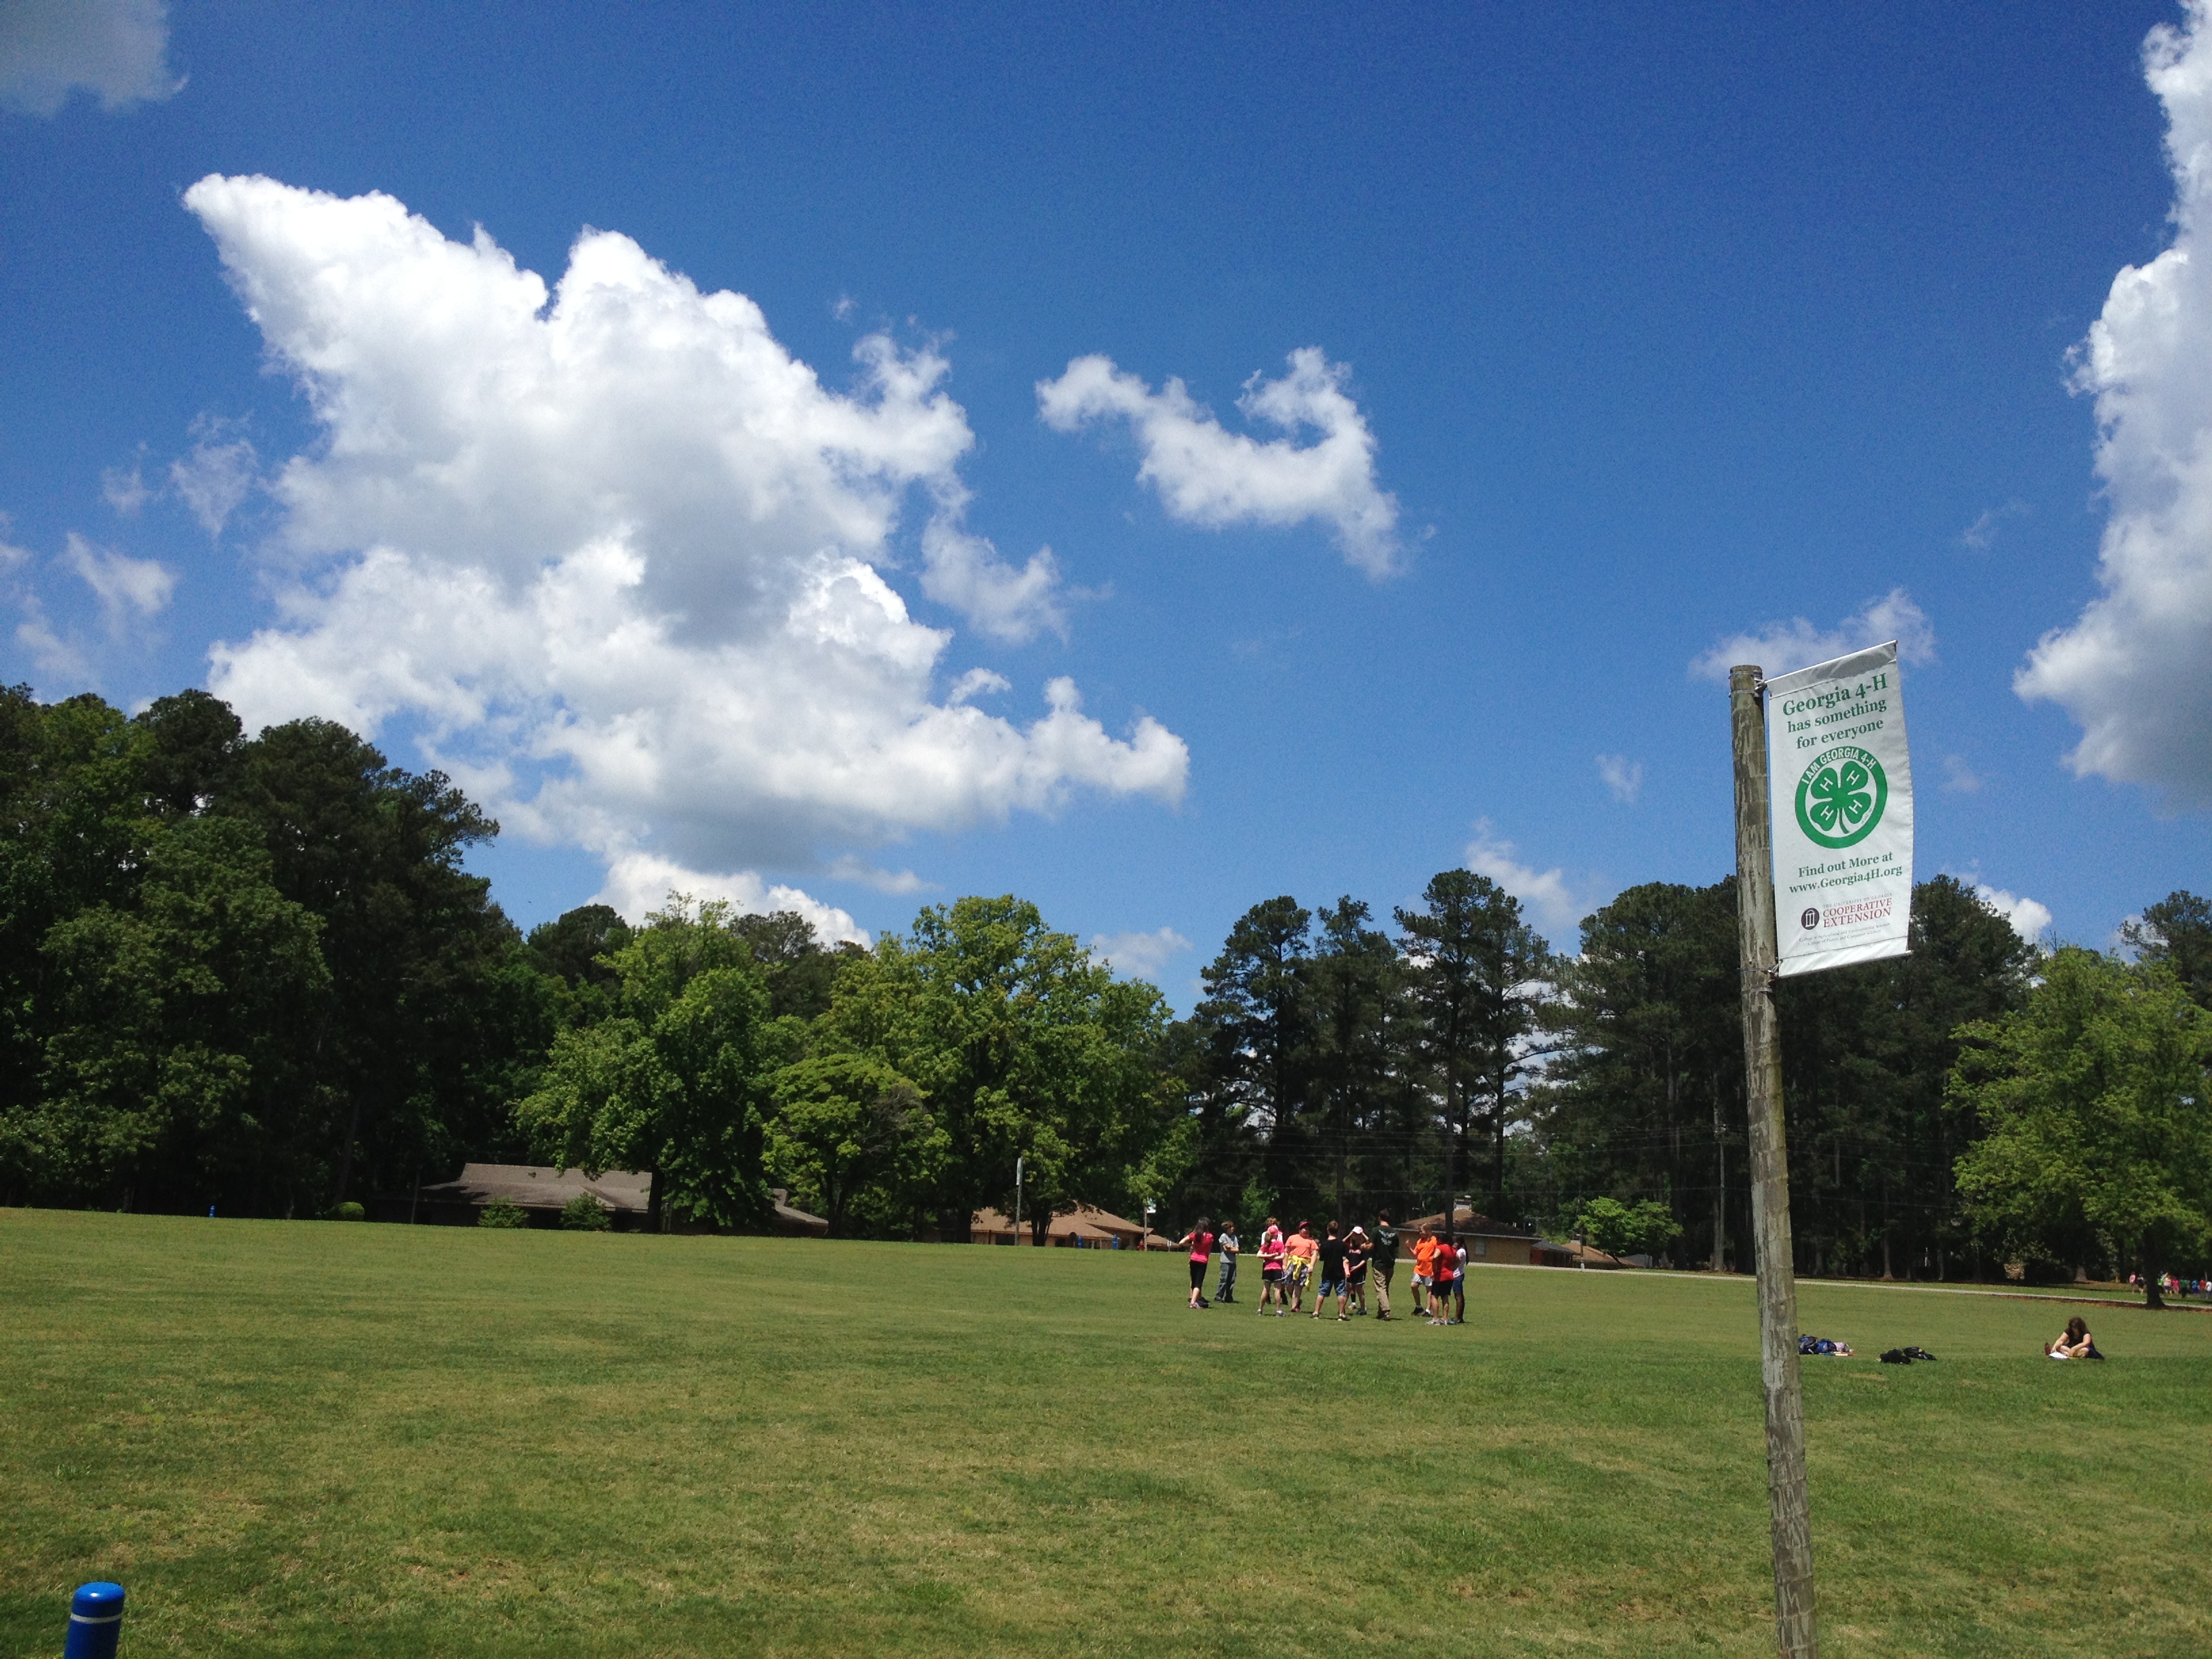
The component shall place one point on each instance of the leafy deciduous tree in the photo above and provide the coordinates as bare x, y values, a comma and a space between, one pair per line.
2093, 1102
1645, 1228
176, 1074
855, 1137
672, 1084
1024, 1046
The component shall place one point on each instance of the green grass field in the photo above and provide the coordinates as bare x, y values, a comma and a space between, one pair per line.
328, 1439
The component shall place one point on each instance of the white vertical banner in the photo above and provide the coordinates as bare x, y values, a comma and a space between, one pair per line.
1842, 812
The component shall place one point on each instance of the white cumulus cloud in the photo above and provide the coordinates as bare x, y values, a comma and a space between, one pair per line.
1622, 775
2029, 919
964, 572
1141, 956
1209, 477
2134, 670
1780, 648
638, 883
617, 556
1550, 900
117, 50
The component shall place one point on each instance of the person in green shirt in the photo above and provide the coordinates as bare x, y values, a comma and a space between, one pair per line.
1383, 1264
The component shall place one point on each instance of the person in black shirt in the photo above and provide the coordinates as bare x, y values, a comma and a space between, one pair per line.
1357, 1250
1332, 1275
1385, 1263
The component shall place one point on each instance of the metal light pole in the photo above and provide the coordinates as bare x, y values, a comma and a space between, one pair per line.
1795, 1633
1018, 1200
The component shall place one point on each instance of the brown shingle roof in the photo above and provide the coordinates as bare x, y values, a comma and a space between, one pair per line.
543, 1187
546, 1187
1086, 1221
1466, 1219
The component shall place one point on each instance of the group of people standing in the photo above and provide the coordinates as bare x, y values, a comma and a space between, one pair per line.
2174, 1285
1349, 1264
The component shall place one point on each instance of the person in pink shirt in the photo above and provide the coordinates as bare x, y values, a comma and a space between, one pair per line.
1200, 1240
1271, 1251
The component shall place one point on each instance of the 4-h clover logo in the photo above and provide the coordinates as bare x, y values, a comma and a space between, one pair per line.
1841, 797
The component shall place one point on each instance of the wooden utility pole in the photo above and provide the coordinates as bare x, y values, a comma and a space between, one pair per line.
1794, 1629
1720, 1189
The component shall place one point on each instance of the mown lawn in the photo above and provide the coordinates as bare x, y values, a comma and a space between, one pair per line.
314, 1438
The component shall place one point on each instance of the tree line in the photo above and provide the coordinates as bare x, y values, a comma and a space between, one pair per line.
255, 974
1971, 1105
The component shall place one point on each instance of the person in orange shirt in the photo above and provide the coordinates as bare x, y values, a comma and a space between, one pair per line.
1425, 1267
1443, 1281
1305, 1251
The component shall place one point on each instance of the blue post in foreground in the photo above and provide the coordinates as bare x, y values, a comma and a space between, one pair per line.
96, 1621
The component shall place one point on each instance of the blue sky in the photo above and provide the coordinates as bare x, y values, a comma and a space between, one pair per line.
1627, 333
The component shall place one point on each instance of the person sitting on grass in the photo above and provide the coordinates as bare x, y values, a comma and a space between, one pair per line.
2075, 1342
1332, 1276
1271, 1268
1201, 1251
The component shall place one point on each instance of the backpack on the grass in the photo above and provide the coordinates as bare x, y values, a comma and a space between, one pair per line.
1906, 1356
